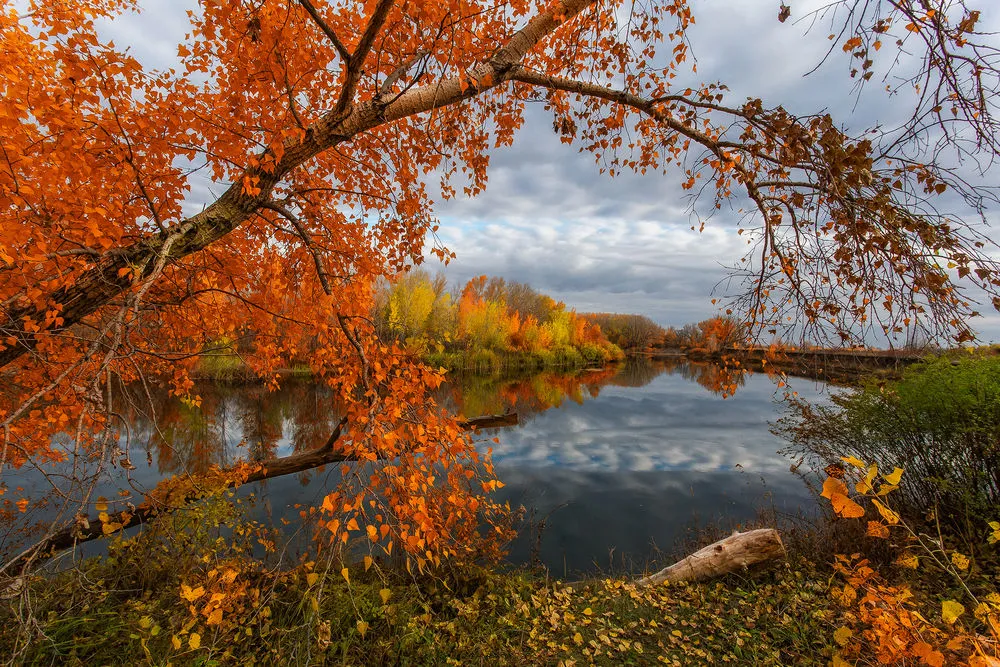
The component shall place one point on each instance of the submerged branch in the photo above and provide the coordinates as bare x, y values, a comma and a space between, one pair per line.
86, 530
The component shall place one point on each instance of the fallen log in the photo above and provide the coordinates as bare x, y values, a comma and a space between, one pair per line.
490, 421
87, 529
734, 553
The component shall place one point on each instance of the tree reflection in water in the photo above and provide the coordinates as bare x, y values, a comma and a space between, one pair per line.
251, 422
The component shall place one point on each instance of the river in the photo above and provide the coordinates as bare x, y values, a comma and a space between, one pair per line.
612, 465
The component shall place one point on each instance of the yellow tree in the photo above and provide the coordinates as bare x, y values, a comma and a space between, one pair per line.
321, 124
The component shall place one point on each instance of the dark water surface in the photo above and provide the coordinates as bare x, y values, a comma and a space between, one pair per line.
610, 464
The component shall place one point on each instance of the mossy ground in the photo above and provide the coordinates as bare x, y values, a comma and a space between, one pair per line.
781, 617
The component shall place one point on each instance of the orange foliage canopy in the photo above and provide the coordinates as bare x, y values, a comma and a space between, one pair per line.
321, 123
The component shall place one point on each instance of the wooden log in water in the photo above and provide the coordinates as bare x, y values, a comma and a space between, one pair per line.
732, 554
490, 421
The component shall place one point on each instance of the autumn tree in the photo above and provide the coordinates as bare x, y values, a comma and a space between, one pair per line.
720, 333
631, 332
322, 124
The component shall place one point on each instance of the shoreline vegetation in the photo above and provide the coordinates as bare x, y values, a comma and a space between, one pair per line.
837, 366
492, 326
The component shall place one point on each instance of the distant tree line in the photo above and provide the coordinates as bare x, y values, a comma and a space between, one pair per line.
629, 332
488, 316
711, 335
491, 316
637, 333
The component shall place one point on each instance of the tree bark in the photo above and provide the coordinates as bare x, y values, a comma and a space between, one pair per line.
736, 552
93, 528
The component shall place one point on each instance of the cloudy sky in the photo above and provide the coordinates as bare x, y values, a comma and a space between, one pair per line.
549, 218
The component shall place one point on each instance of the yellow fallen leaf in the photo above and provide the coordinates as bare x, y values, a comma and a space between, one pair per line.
194, 641
877, 529
362, 628
854, 461
384, 594
311, 578
951, 610
842, 635
346, 575
191, 594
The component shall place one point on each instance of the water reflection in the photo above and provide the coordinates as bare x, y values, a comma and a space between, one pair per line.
231, 423
598, 521
630, 455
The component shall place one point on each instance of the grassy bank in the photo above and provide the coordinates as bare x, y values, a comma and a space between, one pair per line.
785, 617
492, 362
230, 367
200, 600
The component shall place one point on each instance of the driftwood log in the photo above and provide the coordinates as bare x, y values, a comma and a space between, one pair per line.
85, 530
736, 552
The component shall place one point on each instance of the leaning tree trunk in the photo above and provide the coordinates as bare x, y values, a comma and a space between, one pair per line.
736, 552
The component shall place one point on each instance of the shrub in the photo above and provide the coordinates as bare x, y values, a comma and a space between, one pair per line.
940, 421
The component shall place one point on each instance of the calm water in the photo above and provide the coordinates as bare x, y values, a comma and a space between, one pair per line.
610, 464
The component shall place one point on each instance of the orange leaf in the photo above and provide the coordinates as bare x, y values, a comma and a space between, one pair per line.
832, 486
846, 507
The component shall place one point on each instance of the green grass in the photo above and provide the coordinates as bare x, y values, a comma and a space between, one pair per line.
491, 362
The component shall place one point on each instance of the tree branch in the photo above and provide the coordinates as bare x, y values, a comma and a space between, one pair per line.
345, 55
355, 66
324, 278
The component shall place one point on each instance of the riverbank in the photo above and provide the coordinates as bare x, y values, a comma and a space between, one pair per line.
493, 362
829, 365
200, 600
315, 615
230, 368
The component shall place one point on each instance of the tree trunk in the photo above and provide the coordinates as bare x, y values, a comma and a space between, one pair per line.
736, 552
